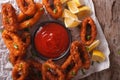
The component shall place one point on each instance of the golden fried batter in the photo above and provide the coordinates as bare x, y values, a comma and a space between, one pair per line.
20, 70
57, 11
27, 7
14, 43
72, 65
78, 47
30, 22
9, 18
88, 39
51, 71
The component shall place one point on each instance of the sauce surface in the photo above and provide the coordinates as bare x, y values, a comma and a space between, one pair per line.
51, 40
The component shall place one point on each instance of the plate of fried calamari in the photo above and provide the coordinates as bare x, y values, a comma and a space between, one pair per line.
50, 40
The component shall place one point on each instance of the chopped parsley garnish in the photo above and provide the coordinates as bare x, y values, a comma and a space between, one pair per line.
73, 73
119, 52
20, 66
7, 20
15, 46
1, 30
83, 71
8, 59
48, 68
41, 9
55, 11
87, 48
88, 37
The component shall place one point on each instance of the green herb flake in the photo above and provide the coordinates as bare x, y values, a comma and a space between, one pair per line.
87, 48
88, 37
55, 11
7, 20
73, 73
119, 52
1, 30
20, 66
8, 59
15, 46
41, 9
47, 66
83, 71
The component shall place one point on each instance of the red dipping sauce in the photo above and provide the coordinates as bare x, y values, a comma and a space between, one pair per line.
51, 40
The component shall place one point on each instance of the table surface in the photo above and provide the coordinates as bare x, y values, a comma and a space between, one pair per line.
108, 14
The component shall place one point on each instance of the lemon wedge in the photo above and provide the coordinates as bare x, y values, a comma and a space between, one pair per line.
67, 13
84, 11
70, 19
70, 22
98, 56
73, 7
93, 45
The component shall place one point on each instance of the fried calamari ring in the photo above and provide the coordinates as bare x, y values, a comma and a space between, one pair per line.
88, 38
14, 43
14, 58
28, 7
9, 19
30, 22
51, 71
72, 65
84, 55
20, 70
57, 11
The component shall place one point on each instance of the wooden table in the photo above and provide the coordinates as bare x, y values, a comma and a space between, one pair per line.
108, 14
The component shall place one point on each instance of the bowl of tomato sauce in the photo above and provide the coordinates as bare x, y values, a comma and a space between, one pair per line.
51, 40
